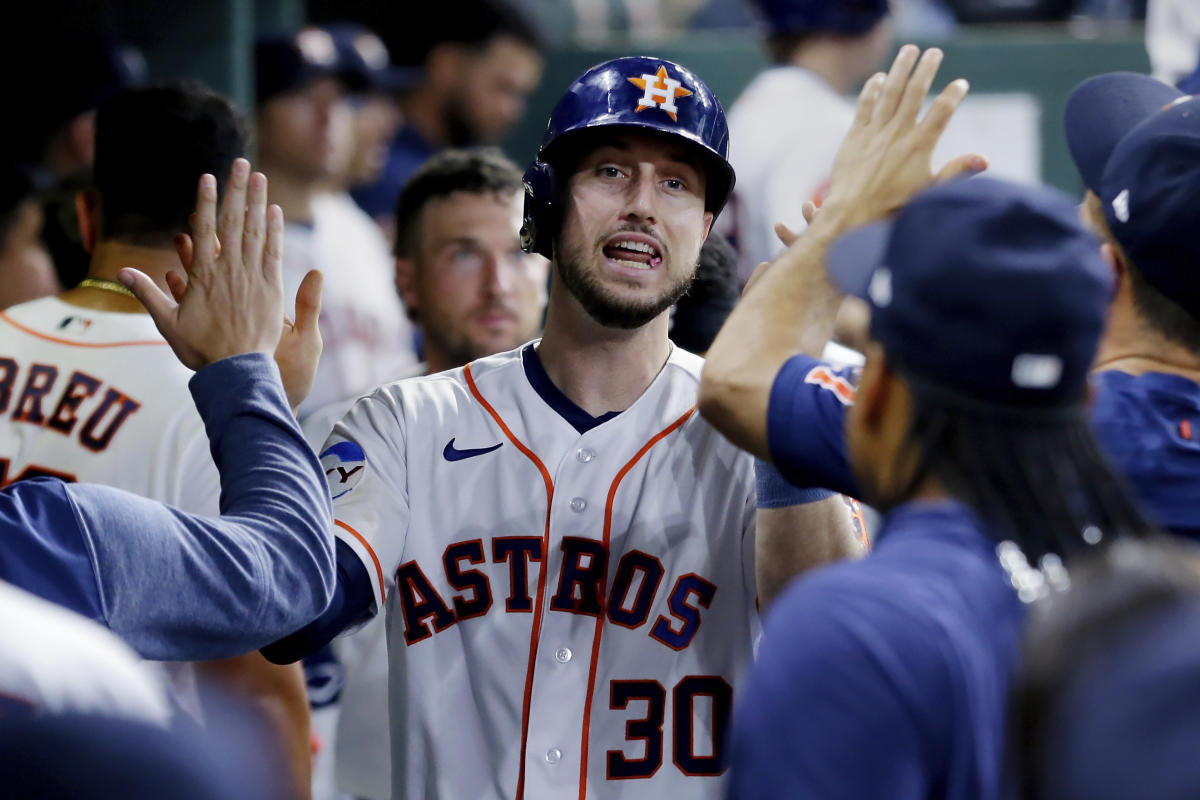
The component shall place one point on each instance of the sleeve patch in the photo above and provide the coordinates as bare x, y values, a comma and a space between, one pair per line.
345, 464
821, 375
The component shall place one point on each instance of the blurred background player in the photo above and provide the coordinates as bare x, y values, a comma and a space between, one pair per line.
372, 82
471, 291
480, 60
787, 124
1103, 707
26, 272
302, 113
91, 390
55, 142
1136, 144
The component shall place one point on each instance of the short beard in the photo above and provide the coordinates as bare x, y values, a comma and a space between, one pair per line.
605, 308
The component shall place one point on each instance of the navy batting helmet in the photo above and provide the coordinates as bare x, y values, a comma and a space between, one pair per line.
637, 92
851, 17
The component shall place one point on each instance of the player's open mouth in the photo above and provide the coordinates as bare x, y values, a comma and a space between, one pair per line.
636, 251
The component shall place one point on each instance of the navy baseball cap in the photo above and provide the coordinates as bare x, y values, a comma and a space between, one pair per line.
1102, 111
365, 60
983, 290
286, 62
850, 17
1150, 192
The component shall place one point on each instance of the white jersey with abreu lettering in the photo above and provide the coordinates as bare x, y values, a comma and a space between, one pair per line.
570, 600
98, 396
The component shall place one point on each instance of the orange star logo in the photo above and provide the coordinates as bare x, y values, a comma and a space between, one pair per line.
659, 91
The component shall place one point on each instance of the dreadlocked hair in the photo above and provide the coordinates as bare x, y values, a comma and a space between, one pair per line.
1036, 476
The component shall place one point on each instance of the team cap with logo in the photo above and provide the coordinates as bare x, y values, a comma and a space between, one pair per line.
638, 93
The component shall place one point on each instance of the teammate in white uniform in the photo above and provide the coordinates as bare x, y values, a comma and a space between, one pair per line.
301, 111
89, 389
55, 661
787, 125
564, 549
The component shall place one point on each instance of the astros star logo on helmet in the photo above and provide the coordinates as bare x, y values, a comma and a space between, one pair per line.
660, 91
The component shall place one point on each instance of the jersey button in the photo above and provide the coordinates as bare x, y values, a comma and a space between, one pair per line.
585, 455
553, 755
563, 654
578, 504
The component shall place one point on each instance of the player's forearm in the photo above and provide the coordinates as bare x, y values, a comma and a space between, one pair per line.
789, 308
789, 541
262, 570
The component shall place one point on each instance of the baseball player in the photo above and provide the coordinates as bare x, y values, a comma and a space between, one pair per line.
968, 427
564, 550
1136, 144
90, 390
219, 585
301, 109
787, 124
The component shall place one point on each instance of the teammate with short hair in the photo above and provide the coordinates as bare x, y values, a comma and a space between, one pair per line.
217, 586
967, 427
565, 551
1136, 144
90, 389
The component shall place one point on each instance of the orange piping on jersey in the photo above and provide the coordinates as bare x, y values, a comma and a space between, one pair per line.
378, 569
541, 589
608, 512
56, 340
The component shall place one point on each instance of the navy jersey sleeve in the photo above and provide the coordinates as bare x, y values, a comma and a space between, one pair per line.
820, 715
806, 421
43, 550
177, 586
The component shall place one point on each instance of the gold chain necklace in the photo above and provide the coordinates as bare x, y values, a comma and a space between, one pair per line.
106, 285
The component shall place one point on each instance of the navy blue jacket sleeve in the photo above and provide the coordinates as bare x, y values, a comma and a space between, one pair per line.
177, 586
806, 424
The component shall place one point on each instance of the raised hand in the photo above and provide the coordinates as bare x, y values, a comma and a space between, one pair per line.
887, 155
299, 347
232, 300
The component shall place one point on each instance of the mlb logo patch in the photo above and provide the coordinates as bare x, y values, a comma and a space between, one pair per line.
659, 91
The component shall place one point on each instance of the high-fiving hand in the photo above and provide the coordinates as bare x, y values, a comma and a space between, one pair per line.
887, 155
231, 301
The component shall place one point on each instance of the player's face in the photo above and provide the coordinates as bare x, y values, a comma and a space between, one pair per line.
472, 289
633, 227
877, 432
306, 131
492, 91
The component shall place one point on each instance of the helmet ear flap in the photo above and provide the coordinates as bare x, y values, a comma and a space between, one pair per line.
541, 216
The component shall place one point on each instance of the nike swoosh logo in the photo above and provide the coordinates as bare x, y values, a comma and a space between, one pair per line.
451, 453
